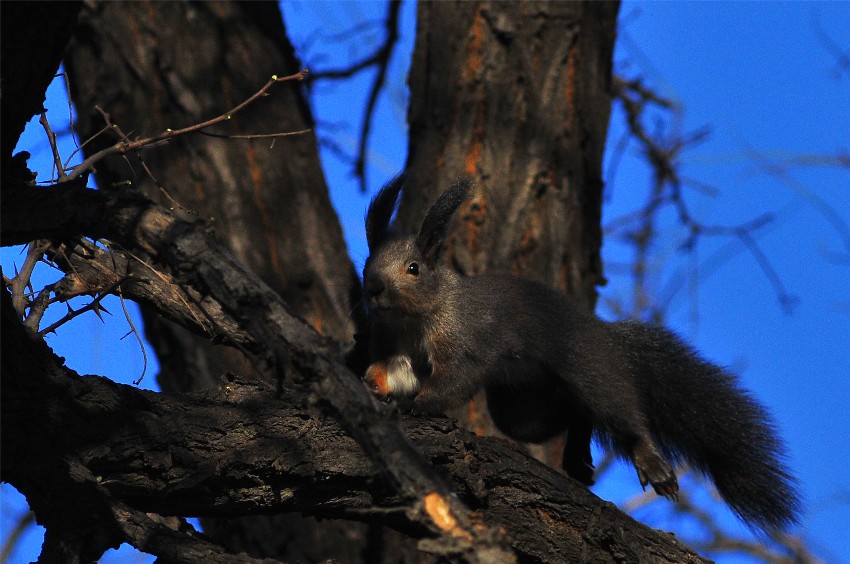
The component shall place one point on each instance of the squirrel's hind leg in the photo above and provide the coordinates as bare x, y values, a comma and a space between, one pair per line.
652, 468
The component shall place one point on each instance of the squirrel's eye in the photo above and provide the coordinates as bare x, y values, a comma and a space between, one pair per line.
413, 268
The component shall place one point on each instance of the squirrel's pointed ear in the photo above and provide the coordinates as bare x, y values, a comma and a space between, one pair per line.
433, 230
381, 211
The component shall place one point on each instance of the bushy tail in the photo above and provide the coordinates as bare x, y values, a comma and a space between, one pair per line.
699, 415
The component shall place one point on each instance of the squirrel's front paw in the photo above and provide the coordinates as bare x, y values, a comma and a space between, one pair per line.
392, 377
377, 381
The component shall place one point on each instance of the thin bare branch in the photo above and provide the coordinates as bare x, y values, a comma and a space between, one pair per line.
13, 536
840, 54
51, 139
94, 305
381, 60
640, 227
838, 222
129, 319
21, 281
124, 146
256, 136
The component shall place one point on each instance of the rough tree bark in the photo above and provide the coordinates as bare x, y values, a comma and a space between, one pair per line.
57, 423
168, 455
208, 453
517, 96
153, 66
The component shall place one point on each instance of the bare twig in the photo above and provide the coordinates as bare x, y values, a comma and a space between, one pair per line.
124, 137
256, 136
380, 59
38, 307
67, 84
663, 153
86, 142
24, 522
838, 222
51, 138
841, 55
19, 283
138, 336
385, 53
94, 305
129, 319
124, 146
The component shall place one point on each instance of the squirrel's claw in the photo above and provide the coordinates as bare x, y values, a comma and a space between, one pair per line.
653, 469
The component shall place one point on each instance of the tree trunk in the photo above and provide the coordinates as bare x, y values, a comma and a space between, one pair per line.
516, 95
152, 66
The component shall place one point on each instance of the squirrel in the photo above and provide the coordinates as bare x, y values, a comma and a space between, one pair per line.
547, 367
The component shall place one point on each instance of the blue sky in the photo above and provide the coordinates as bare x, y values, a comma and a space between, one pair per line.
760, 76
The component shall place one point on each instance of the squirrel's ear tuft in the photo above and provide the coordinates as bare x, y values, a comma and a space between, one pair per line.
381, 211
433, 230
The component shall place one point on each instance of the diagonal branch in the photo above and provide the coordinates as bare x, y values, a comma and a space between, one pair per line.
174, 542
240, 450
124, 145
283, 340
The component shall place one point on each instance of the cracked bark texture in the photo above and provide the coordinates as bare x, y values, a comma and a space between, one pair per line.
153, 66
240, 449
517, 96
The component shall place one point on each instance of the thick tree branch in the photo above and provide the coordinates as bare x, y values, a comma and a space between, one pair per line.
90, 269
174, 540
240, 450
284, 343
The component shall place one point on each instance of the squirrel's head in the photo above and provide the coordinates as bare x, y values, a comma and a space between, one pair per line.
402, 273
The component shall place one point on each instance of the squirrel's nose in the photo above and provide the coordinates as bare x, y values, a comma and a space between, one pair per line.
374, 287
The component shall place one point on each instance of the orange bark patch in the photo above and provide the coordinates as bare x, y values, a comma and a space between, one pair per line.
475, 419
470, 164
438, 509
473, 156
266, 219
318, 322
476, 38
470, 72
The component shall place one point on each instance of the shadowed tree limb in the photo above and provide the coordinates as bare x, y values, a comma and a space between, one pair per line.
505, 485
240, 450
